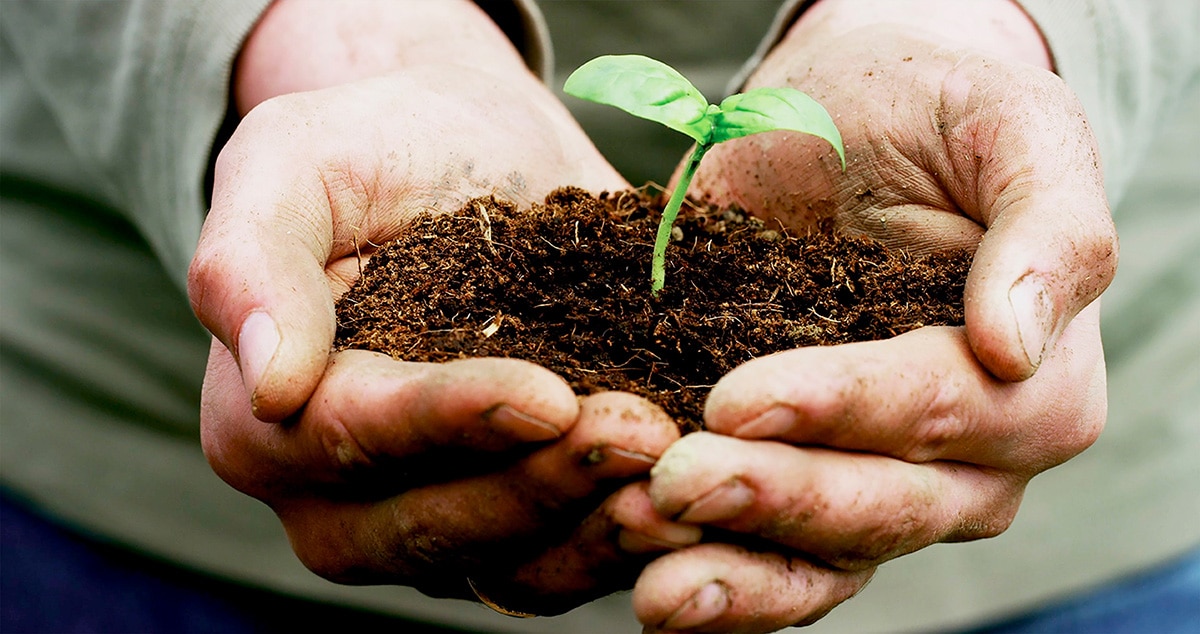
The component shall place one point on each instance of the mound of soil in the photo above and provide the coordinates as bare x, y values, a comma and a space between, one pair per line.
566, 285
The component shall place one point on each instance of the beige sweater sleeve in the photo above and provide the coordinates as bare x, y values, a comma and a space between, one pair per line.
1129, 61
138, 90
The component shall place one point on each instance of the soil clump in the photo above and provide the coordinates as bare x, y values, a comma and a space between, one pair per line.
565, 285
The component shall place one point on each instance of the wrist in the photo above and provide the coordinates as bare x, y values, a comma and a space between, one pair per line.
998, 27
301, 45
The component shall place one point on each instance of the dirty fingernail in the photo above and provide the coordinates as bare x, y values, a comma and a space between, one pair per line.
257, 342
606, 461
704, 606
722, 503
1033, 310
520, 424
665, 537
773, 423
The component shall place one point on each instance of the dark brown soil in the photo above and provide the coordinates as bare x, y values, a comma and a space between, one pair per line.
566, 285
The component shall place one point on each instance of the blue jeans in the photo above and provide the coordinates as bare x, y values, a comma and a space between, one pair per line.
55, 582
1165, 600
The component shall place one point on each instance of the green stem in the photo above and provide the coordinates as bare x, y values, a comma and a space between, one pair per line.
658, 274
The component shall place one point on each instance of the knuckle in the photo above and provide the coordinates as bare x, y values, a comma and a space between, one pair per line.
934, 436
340, 447
284, 107
1089, 431
203, 274
1099, 249
1106, 245
839, 589
990, 527
940, 425
225, 463
905, 531
1072, 428
347, 545
1086, 431
321, 551
234, 456
996, 518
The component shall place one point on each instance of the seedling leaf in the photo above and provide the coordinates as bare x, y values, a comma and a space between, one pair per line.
652, 90
645, 88
766, 109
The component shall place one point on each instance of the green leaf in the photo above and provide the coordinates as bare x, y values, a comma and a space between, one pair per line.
645, 88
766, 109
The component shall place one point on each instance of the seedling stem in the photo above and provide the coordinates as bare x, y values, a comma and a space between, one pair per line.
652, 90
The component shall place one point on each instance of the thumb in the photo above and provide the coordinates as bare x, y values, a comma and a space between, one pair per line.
257, 280
1050, 247
1027, 284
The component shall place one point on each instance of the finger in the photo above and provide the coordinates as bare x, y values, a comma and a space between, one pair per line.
257, 280
849, 510
372, 407
724, 588
603, 555
494, 519
919, 397
1026, 165
372, 416
645, 530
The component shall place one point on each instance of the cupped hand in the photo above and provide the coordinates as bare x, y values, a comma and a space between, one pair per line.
389, 472
311, 181
822, 463
479, 476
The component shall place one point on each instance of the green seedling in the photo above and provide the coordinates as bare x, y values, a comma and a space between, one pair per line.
650, 89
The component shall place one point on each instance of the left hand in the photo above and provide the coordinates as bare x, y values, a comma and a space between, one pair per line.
822, 463
476, 478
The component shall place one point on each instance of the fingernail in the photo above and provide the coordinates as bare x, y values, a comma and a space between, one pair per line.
773, 423
616, 462
257, 342
666, 537
727, 501
520, 424
706, 605
1032, 310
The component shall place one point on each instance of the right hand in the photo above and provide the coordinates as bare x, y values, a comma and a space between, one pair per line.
822, 463
390, 472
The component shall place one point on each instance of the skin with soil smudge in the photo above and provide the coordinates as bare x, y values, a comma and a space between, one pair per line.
566, 285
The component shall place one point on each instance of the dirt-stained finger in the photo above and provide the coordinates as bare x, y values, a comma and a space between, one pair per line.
598, 558
919, 397
489, 521
848, 510
372, 416
725, 588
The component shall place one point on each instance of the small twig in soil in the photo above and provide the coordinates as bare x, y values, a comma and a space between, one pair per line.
668, 377
492, 325
485, 225
820, 316
723, 318
555, 246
